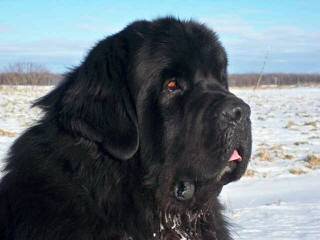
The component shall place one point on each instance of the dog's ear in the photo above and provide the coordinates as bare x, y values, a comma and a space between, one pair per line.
94, 100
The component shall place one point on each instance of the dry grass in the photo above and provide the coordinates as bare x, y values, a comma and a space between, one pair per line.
300, 143
277, 151
297, 171
250, 173
4, 133
312, 123
264, 154
288, 156
313, 161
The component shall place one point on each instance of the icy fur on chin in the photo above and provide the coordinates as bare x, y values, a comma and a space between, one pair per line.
183, 229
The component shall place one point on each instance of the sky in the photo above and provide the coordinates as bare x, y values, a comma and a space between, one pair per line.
58, 34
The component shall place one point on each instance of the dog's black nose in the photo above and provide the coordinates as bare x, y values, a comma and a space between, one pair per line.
235, 110
184, 190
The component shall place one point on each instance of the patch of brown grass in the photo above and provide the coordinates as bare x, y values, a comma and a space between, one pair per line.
264, 154
300, 143
250, 173
4, 133
313, 161
312, 123
279, 152
297, 171
288, 156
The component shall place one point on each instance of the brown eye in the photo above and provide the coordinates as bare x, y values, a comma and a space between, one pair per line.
172, 85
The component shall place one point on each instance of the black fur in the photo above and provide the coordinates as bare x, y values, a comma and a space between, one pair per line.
103, 161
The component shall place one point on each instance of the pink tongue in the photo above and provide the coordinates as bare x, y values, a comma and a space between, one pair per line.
235, 156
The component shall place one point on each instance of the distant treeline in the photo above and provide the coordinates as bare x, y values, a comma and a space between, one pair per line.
275, 79
28, 74
34, 74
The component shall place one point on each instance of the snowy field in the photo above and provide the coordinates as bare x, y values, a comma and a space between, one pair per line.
279, 198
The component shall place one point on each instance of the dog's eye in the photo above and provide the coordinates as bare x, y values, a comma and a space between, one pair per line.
172, 85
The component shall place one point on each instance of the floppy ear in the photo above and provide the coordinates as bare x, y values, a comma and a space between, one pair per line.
94, 100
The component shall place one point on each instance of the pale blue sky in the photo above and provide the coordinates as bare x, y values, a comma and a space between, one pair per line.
59, 33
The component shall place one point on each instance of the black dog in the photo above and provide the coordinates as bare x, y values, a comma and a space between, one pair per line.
136, 143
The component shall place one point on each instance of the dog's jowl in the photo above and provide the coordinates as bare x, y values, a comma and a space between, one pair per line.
135, 143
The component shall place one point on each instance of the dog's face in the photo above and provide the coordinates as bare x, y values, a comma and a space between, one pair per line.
195, 135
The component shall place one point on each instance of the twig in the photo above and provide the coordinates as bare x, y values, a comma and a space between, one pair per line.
262, 69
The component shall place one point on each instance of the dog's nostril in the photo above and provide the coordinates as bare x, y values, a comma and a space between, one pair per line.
184, 190
234, 113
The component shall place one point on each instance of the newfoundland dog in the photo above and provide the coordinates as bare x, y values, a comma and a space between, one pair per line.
136, 143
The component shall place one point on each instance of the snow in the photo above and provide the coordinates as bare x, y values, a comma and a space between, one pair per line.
279, 198
274, 208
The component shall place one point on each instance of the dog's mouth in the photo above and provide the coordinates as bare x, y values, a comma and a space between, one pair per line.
184, 190
231, 171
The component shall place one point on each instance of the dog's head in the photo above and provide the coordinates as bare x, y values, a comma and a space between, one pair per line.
195, 136
158, 92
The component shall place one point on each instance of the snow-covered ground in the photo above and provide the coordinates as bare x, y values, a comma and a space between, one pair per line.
279, 198
286, 208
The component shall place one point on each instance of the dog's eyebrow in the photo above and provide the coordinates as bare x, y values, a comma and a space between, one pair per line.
150, 66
